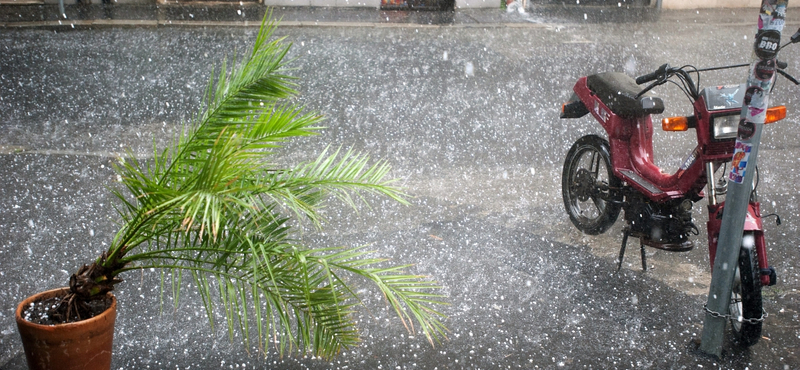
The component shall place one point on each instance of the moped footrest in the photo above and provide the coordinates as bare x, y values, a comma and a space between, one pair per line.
635, 178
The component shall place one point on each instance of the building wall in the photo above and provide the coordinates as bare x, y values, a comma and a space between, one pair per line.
665, 4
695, 4
460, 4
335, 3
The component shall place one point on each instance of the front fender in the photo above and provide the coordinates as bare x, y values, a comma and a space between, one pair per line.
752, 222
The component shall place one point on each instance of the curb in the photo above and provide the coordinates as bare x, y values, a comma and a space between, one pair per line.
254, 24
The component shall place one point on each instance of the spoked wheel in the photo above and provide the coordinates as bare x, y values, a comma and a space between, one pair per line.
586, 184
745, 307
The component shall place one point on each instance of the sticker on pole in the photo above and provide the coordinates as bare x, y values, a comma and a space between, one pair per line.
741, 155
767, 43
764, 70
746, 130
772, 15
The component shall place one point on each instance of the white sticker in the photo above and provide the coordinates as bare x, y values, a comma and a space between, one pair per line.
741, 155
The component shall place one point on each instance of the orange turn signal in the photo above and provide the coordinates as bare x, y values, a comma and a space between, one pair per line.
775, 114
675, 124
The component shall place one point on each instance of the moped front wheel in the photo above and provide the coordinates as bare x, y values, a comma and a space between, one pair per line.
746, 303
588, 186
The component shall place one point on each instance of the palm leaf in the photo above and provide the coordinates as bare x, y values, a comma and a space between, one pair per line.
212, 206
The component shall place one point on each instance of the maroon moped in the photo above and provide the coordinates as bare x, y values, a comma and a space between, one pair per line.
603, 176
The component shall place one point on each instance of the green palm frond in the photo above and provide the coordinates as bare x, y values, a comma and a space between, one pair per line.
211, 206
342, 175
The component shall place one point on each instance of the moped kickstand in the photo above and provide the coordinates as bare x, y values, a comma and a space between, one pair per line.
625, 234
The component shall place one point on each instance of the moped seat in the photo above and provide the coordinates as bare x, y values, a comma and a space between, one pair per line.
618, 92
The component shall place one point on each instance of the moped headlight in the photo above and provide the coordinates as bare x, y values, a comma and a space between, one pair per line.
726, 127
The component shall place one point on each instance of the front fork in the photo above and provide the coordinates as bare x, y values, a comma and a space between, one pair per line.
752, 223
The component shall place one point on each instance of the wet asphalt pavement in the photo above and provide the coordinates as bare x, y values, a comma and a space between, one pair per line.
465, 107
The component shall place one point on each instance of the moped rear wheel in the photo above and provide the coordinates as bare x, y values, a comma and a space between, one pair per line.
588, 184
746, 304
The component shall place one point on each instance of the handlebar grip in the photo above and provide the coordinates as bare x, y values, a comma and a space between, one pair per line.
652, 75
646, 78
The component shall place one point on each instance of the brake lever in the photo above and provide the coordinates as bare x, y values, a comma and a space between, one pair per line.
788, 77
648, 88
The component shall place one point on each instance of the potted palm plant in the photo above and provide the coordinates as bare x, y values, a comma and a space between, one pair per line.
211, 206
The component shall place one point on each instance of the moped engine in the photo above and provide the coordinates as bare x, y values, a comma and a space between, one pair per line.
665, 225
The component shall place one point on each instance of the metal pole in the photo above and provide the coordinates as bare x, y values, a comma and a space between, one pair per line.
759, 84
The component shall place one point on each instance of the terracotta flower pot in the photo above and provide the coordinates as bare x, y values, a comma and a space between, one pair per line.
82, 345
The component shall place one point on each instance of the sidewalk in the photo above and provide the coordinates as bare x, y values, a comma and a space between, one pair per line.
250, 14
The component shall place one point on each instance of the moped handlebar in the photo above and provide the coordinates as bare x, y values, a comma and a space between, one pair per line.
662, 75
778, 63
665, 72
652, 75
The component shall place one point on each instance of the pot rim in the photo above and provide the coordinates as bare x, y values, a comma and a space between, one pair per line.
51, 293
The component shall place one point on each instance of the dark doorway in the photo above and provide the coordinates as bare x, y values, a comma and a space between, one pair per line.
418, 4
